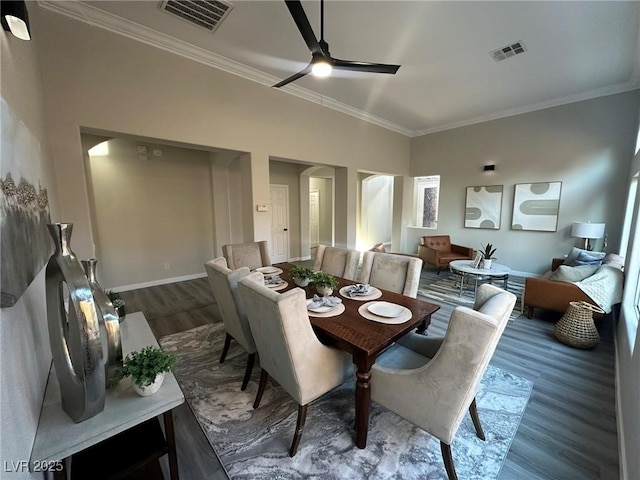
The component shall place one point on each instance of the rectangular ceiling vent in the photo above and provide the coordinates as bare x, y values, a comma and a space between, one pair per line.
508, 51
206, 14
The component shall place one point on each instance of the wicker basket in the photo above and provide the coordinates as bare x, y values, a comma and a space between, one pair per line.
576, 327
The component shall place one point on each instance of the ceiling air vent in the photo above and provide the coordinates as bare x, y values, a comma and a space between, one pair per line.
508, 51
203, 13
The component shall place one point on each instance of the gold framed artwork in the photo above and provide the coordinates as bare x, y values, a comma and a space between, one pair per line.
483, 207
536, 206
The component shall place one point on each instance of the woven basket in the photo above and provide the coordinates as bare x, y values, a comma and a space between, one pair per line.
576, 327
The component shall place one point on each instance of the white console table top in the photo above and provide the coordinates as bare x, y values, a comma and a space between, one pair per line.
59, 437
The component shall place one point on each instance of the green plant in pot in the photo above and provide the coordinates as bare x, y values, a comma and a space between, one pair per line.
487, 256
146, 368
324, 282
301, 275
118, 303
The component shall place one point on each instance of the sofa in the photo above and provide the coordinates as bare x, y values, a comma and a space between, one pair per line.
569, 280
439, 251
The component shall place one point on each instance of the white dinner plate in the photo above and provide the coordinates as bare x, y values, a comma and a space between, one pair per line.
269, 270
386, 309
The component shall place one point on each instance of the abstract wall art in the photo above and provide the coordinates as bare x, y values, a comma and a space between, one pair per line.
536, 206
25, 244
483, 207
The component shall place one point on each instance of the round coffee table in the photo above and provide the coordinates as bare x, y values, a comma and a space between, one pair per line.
464, 268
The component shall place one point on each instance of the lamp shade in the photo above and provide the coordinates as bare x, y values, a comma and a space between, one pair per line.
587, 230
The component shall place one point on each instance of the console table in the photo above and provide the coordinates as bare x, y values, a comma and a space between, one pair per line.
58, 437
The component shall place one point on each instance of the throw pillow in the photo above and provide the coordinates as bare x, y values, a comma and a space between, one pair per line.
575, 253
585, 258
566, 273
614, 260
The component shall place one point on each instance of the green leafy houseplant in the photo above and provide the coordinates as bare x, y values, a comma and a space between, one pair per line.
115, 298
323, 279
143, 365
301, 272
488, 251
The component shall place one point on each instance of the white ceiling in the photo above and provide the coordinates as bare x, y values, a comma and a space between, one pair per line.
575, 50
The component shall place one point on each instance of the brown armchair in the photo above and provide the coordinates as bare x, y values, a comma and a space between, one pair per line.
439, 251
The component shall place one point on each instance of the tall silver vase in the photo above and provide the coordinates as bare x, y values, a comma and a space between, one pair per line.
110, 324
74, 334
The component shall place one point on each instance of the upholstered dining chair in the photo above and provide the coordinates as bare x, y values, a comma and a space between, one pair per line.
289, 350
224, 283
396, 273
251, 255
341, 262
432, 381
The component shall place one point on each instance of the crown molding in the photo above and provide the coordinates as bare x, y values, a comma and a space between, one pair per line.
556, 102
96, 17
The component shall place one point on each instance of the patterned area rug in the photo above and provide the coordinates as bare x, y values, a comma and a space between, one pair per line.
447, 290
254, 443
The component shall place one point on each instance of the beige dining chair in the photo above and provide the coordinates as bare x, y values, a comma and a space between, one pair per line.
396, 273
341, 262
251, 255
224, 283
432, 381
289, 350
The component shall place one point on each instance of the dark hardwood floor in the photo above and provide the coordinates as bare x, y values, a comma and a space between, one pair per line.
569, 427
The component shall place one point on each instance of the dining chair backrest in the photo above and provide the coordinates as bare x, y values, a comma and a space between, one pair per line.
341, 262
251, 255
287, 345
224, 283
396, 273
432, 381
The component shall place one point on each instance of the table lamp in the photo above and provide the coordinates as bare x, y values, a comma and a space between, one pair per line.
587, 231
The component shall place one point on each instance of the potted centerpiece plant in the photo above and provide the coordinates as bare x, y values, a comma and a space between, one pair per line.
324, 282
301, 275
487, 256
147, 368
118, 303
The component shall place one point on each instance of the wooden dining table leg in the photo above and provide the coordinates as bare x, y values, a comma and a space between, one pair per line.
363, 403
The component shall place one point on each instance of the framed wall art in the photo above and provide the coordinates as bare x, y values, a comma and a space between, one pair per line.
483, 207
536, 206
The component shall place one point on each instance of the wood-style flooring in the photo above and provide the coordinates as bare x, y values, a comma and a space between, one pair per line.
569, 427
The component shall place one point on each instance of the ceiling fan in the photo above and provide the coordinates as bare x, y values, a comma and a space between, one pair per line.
321, 60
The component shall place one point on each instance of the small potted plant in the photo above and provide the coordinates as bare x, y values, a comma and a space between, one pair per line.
301, 275
118, 303
146, 368
324, 282
487, 256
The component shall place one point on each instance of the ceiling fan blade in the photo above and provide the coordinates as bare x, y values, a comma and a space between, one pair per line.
297, 12
294, 77
364, 66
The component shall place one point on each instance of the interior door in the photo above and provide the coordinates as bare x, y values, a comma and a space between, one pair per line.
314, 218
279, 208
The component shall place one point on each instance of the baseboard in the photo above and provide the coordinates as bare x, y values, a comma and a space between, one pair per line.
162, 281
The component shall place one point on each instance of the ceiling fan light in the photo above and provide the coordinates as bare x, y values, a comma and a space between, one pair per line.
321, 69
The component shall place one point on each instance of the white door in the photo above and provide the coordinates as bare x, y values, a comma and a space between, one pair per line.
314, 218
279, 208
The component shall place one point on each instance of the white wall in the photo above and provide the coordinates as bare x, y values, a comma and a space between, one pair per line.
628, 357
150, 212
25, 356
586, 145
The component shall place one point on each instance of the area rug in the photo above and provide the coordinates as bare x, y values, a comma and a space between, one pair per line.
447, 290
254, 444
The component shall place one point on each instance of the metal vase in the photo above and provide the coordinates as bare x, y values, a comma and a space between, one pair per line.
110, 325
74, 335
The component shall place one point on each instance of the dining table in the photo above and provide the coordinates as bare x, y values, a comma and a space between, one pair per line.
364, 339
